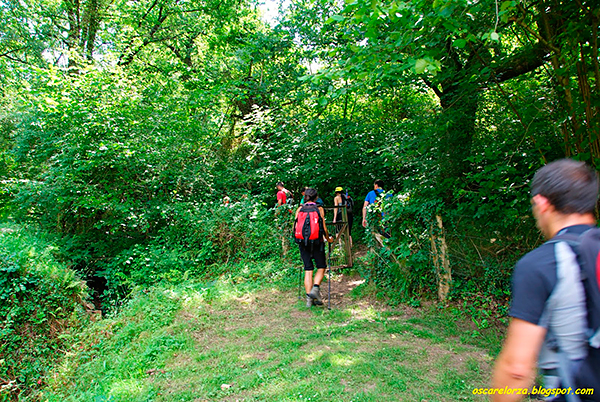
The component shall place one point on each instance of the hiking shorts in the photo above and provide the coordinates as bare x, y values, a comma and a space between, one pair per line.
310, 252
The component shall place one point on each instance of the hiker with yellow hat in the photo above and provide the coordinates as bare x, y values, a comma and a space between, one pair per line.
342, 199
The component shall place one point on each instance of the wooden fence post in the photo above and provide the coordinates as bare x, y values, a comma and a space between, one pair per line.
440, 260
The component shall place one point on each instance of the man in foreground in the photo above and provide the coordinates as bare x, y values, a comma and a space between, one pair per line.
548, 305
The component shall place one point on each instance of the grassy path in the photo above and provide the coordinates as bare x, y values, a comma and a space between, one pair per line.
262, 344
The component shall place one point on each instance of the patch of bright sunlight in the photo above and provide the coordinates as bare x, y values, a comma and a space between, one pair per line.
193, 299
365, 313
245, 299
314, 356
127, 389
342, 360
188, 297
222, 289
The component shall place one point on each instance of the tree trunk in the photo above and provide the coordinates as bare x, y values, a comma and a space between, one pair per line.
459, 104
440, 260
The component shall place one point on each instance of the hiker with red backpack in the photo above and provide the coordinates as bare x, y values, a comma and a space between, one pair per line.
555, 306
310, 233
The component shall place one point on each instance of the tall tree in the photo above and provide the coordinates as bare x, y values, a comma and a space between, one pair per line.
569, 33
456, 49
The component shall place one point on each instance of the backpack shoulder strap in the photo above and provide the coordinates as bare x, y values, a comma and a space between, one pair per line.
587, 248
321, 223
309, 208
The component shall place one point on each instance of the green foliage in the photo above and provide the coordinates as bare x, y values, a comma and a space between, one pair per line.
42, 304
487, 220
196, 238
319, 154
125, 135
105, 164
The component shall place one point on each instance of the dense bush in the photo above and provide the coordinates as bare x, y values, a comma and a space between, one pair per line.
486, 214
195, 237
41, 302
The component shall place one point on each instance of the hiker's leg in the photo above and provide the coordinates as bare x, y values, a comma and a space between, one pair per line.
321, 263
308, 280
319, 276
306, 255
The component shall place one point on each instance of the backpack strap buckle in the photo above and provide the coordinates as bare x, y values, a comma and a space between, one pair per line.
595, 340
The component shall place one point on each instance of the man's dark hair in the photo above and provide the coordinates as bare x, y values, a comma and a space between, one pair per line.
310, 195
279, 184
570, 186
379, 183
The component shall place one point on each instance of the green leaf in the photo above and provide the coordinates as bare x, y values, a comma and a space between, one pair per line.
459, 43
420, 66
337, 18
494, 36
371, 33
507, 4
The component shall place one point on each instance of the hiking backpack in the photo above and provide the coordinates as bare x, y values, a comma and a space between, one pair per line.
348, 202
309, 225
587, 248
289, 197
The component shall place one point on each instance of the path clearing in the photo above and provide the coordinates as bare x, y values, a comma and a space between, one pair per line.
266, 346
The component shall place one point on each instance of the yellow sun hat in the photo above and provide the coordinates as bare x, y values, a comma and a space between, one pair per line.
338, 189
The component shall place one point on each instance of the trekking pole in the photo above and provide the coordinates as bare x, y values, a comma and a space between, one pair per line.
300, 284
329, 280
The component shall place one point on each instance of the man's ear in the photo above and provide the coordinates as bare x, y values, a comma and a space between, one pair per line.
541, 202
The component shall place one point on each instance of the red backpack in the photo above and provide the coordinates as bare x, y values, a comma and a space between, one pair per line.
309, 225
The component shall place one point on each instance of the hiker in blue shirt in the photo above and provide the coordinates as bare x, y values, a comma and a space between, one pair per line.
371, 198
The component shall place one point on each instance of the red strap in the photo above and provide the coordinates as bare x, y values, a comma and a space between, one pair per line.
598, 270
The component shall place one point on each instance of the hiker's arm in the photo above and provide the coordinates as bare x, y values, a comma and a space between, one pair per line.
322, 212
516, 364
336, 202
364, 222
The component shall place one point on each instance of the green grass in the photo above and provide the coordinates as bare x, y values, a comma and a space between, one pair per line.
249, 342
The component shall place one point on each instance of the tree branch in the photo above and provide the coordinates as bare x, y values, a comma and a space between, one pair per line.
126, 60
524, 62
433, 87
13, 51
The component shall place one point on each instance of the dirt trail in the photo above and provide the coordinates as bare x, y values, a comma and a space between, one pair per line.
267, 345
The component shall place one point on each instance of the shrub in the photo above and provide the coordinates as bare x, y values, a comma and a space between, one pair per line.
41, 302
196, 236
